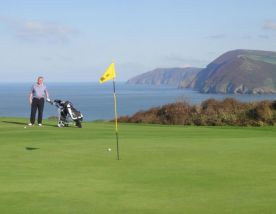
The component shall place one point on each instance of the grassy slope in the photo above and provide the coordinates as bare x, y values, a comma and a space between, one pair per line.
269, 59
162, 169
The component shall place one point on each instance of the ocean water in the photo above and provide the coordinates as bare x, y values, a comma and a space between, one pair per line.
95, 100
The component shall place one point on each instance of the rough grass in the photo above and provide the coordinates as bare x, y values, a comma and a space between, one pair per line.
163, 169
268, 59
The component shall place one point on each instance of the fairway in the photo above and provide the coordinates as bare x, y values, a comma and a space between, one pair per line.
162, 169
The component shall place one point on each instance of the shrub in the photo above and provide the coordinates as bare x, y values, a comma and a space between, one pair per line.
263, 111
211, 112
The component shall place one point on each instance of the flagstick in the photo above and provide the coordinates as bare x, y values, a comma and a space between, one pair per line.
116, 122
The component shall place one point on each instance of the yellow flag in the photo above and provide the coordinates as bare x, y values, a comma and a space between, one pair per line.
109, 74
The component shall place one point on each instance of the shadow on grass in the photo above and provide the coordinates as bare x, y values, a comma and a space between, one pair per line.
31, 148
13, 122
21, 123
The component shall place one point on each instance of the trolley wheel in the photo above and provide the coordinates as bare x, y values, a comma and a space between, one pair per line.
78, 124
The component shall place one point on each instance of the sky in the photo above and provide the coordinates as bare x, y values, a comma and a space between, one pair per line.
75, 41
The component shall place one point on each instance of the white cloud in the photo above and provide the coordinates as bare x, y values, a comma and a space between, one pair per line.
31, 30
38, 31
269, 25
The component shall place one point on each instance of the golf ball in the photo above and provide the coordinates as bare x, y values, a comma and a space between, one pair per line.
109, 149
25, 127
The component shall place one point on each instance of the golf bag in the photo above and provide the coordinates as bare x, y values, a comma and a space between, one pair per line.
67, 113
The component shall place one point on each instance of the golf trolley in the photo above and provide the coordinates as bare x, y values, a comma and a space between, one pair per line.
67, 113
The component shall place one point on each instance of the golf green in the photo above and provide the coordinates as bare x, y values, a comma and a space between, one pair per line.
162, 169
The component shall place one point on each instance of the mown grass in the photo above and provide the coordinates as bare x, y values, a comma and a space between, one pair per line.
162, 169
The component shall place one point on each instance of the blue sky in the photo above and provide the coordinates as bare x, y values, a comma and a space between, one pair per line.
69, 41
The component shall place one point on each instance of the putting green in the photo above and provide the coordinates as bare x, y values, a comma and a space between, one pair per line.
163, 169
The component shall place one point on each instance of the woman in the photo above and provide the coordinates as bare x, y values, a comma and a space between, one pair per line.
36, 98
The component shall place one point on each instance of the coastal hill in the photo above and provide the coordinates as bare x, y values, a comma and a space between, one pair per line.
167, 76
237, 71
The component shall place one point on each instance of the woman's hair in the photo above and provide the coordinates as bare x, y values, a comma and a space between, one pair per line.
40, 77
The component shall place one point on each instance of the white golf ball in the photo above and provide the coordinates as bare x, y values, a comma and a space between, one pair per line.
25, 127
109, 149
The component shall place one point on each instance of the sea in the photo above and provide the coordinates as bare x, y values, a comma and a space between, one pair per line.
95, 100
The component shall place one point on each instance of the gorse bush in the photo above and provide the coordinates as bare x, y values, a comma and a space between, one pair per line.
210, 112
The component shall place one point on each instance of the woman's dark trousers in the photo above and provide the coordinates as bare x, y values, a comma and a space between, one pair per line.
37, 104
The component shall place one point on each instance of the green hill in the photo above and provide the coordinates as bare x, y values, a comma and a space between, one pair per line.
239, 71
163, 169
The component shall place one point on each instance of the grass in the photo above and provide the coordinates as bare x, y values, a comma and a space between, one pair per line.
269, 59
163, 169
